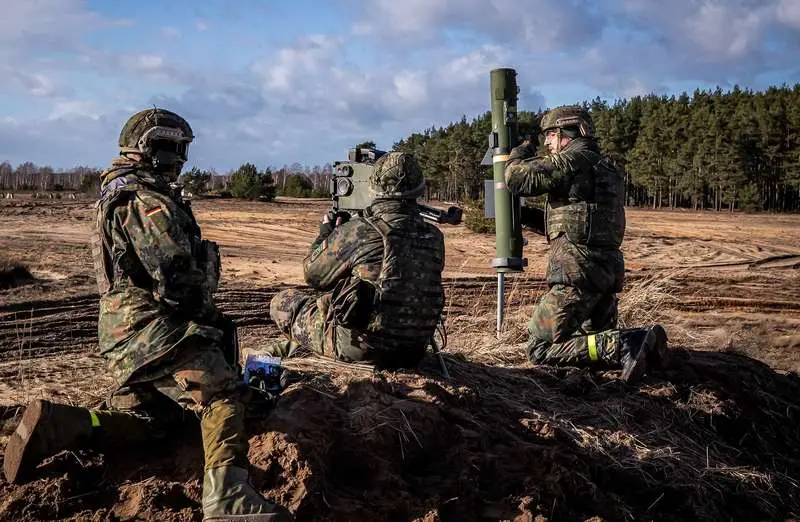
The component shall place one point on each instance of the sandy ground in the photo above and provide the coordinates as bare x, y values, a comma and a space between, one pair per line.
722, 276
719, 282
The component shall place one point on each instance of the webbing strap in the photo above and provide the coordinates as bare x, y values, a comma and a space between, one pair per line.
95, 419
592, 339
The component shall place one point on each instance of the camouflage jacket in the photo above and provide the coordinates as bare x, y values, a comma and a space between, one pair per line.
400, 257
156, 276
585, 218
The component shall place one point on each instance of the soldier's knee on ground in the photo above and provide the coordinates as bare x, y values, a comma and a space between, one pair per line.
283, 308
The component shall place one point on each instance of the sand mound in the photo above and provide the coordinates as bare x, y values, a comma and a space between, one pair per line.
715, 438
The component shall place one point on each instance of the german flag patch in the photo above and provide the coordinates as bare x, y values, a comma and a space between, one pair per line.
157, 218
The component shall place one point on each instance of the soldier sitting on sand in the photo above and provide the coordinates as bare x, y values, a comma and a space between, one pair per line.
159, 328
376, 280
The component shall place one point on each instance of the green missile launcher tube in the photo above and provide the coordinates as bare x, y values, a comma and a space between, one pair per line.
504, 137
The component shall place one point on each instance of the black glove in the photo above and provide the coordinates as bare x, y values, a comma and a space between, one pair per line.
330, 221
325, 229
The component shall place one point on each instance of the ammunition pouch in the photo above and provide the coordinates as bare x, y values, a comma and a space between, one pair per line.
586, 224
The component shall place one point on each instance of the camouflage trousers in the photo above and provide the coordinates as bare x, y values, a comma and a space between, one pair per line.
570, 327
199, 378
303, 317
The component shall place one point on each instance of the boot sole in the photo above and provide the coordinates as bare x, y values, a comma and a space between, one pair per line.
634, 372
19, 453
660, 349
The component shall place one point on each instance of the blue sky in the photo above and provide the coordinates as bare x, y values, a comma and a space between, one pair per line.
275, 83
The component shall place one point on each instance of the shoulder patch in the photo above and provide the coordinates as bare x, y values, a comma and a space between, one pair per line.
156, 216
158, 219
154, 210
112, 186
318, 250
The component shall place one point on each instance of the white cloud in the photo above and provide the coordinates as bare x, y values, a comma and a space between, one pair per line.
38, 84
704, 29
411, 87
33, 83
72, 108
45, 21
472, 66
149, 62
310, 58
171, 32
725, 31
544, 24
403, 67
788, 12
409, 16
63, 142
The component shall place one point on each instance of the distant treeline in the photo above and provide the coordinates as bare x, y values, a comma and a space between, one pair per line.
31, 177
734, 150
737, 149
295, 180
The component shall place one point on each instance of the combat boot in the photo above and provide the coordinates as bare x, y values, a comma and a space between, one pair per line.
47, 428
227, 493
641, 348
659, 357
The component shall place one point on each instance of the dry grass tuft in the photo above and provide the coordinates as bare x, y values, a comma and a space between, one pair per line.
712, 440
647, 300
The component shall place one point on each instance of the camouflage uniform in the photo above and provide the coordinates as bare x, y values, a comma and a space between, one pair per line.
157, 277
574, 323
158, 329
377, 284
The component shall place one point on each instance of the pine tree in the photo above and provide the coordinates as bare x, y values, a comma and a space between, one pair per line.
248, 183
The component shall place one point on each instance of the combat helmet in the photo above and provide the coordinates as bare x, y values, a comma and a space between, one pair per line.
160, 136
571, 120
397, 175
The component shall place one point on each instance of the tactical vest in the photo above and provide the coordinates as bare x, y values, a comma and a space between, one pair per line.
409, 297
599, 219
205, 252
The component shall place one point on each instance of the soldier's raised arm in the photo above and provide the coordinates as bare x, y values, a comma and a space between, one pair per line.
533, 176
